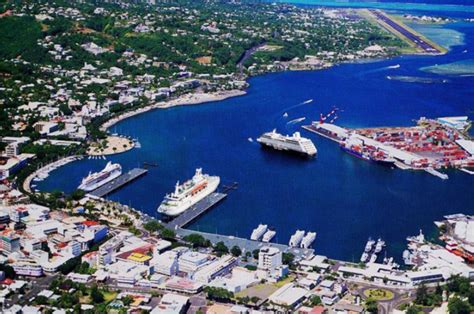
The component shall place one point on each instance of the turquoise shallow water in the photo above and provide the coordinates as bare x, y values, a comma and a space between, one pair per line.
344, 199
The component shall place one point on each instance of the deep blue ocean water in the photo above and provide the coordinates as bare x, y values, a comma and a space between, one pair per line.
344, 199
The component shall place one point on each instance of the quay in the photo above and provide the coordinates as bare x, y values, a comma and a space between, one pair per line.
246, 245
118, 182
195, 211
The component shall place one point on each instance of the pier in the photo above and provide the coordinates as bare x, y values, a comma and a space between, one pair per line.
195, 211
118, 182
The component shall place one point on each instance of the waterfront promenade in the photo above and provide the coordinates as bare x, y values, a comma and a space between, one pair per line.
245, 245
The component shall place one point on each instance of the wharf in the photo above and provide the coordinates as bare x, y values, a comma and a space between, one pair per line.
118, 182
246, 245
197, 210
311, 128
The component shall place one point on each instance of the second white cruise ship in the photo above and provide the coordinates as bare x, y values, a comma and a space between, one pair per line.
97, 179
294, 143
188, 193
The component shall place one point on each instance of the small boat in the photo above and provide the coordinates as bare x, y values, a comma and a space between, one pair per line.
379, 246
250, 140
308, 240
308, 101
258, 232
285, 114
364, 257
373, 258
369, 245
296, 238
268, 236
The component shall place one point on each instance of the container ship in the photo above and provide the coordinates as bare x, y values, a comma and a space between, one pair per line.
356, 146
188, 193
294, 143
98, 179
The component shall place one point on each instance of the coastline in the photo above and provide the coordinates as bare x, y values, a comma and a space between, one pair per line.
187, 99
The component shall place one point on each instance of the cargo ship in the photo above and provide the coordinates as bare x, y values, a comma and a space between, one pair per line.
188, 193
294, 143
356, 147
98, 179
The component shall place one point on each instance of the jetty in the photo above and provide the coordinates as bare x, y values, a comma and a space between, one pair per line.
118, 182
195, 211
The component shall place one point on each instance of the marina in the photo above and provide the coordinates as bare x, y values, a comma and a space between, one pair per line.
118, 182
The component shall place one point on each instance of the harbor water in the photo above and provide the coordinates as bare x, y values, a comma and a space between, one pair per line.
344, 199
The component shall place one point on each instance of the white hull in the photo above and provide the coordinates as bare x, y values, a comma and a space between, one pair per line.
92, 187
268, 236
295, 143
188, 202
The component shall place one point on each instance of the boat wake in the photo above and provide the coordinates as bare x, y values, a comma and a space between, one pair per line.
294, 121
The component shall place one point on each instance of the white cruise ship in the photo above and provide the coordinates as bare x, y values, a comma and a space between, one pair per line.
294, 143
98, 179
188, 193
296, 238
268, 236
258, 232
308, 240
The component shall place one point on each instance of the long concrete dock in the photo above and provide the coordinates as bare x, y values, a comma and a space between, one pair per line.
197, 210
118, 182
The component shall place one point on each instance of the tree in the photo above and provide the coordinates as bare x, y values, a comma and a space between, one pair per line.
255, 299
41, 300
96, 295
168, 234
288, 258
413, 309
236, 251
458, 306
220, 248
152, 226
315, 300
371, 305
421, 295
127, 300
255, 253
70, 265
197, 240
8, 270
218, 294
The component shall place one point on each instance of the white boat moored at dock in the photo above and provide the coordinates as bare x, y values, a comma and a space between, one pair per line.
258, 232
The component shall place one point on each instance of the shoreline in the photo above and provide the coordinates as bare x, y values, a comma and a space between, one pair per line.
184, 100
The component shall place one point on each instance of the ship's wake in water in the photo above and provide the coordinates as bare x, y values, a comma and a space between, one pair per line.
294, 121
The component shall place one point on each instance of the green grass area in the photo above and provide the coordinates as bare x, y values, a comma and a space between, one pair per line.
379, 294
110, 296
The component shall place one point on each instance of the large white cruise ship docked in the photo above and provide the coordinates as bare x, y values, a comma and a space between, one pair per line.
97, 179
294, 143
188, 193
